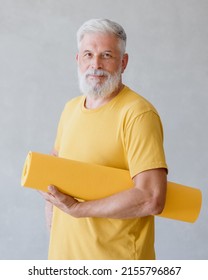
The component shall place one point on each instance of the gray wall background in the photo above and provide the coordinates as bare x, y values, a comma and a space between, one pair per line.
167, 44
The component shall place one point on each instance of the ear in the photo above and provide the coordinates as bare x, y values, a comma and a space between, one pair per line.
125, 60
77, 57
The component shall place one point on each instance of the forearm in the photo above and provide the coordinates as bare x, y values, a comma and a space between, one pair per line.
128, 204
147, 197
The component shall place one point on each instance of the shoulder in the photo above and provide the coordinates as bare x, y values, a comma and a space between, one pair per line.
134, 104
76, 101
72, 105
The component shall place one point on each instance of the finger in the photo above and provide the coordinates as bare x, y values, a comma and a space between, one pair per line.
53, 190
46, 195
41, 193
59, 196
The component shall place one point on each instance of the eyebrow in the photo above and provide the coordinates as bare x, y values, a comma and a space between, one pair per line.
85, 51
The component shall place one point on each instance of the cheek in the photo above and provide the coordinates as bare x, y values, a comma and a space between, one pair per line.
116, 69
110, 67
82, 67
116, 66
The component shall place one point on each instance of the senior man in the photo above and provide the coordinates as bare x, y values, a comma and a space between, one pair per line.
111, 125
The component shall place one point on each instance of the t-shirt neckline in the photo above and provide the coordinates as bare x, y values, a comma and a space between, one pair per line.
113, 100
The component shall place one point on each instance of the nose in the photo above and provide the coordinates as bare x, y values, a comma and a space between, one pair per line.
96, 62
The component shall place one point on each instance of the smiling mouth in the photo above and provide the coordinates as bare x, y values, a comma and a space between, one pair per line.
96, 76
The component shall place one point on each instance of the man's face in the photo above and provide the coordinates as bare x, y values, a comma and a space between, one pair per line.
100, 63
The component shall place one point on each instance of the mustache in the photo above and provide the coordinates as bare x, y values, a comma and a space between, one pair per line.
96, 72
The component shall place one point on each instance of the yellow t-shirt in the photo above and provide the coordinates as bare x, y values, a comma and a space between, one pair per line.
125, 133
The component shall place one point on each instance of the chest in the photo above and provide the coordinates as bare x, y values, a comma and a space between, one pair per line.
94, 138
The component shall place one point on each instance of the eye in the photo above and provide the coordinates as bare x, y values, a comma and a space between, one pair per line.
88, 55
106, 55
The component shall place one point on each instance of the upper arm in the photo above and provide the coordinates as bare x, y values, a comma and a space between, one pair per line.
144, 143
153, 183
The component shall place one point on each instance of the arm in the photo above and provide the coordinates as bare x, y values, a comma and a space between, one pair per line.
147, 197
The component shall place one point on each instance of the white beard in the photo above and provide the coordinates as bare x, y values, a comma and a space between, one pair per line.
94, 88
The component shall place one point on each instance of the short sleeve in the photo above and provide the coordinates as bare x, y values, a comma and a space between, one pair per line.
144, 143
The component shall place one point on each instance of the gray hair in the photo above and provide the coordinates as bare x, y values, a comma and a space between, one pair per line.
103, 26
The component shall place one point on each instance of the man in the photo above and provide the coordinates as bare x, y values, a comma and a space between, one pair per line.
113, 126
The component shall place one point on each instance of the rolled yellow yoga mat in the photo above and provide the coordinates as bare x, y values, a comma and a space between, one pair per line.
90, 181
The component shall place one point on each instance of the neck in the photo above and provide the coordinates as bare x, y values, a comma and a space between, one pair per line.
94, 102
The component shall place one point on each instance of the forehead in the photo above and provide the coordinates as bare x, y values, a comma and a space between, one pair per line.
99, 41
